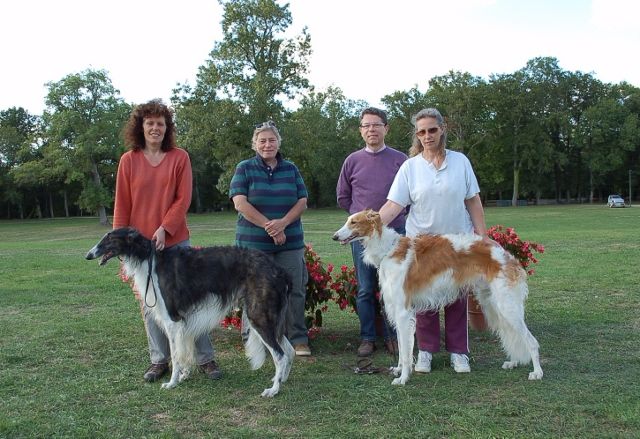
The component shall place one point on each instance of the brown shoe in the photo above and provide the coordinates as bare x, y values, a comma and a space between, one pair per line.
366, 348
211, 370
391, 346
302, 350
155, 372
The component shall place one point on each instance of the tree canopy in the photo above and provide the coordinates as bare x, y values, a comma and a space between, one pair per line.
540, 132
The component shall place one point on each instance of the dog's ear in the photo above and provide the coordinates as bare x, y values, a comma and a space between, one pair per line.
372, 215
132, 234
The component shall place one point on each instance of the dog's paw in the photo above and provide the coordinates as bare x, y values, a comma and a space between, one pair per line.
400, 381
509, 364
535, 375
183, 376
168, 385
269, 393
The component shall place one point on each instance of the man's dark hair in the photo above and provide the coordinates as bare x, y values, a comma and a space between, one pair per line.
376, 112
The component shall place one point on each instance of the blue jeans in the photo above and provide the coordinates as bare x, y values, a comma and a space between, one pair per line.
367, 277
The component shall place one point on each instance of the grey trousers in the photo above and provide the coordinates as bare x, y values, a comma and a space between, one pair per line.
159, 344
293, 263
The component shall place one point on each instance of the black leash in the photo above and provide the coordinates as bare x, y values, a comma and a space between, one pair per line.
150, 280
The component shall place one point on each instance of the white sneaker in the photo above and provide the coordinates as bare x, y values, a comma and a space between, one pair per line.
424, 362
460, 363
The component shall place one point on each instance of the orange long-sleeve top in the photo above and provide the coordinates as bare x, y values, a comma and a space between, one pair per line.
148, 196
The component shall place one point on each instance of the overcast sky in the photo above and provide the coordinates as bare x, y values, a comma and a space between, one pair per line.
368, 48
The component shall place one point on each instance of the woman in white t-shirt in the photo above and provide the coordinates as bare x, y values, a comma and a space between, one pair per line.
442, 190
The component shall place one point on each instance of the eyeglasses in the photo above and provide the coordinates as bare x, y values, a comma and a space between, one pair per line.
366, 126
266, 124
431, 130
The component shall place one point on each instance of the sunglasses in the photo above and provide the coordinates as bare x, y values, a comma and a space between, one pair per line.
266, 124
432, 130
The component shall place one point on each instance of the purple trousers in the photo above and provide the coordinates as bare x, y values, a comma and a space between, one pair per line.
456, 334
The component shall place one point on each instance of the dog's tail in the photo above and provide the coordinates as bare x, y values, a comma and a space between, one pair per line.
284, 282
254, 349
506, 318
268, 329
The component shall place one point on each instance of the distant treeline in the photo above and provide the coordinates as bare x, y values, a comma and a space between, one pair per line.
538, 133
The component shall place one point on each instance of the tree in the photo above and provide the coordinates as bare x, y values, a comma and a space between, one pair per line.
18, 129
401, 107
254, 63
83, 120
461, 98
319, 136
244, 82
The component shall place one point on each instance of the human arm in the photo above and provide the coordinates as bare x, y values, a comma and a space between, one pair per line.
343, 188
250, 213
476, 212
174, 218
276, 226
389, 211
122, 202
180, 200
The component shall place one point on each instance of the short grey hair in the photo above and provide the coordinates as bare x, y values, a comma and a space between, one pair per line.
265, 126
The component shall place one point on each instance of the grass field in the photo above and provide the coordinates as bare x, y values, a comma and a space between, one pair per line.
73, 349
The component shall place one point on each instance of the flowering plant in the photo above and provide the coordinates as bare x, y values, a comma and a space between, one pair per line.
521, 250
345, 287
233, 319
318, 287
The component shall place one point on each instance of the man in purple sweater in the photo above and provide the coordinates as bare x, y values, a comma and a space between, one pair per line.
364, 183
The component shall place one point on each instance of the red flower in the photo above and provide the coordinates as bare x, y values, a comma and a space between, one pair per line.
510, 241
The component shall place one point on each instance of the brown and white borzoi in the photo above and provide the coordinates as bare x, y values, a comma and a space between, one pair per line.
431, 271
191, 290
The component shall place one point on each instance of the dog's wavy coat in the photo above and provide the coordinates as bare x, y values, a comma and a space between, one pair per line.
431, 271
190, 290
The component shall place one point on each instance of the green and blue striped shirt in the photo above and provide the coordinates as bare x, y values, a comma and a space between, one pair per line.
273, 192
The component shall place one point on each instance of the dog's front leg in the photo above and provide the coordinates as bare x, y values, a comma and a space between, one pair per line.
176, 366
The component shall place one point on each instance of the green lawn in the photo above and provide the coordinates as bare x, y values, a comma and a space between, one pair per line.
73, 348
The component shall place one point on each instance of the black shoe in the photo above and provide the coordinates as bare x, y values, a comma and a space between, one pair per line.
155, 372
211, 370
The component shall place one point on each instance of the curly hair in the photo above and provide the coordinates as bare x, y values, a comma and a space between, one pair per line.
134, 133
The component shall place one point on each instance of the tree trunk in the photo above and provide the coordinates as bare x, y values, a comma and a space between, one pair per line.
51, 214
102, 211
38, 210
66, 203
590, 186
516, 184
196, 194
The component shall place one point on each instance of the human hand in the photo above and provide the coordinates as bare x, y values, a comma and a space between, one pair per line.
488, 240
280, 238
275, 227
159, 236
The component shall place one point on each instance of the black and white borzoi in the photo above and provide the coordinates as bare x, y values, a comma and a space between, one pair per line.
190, 290
431, 271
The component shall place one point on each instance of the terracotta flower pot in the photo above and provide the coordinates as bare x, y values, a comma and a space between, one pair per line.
476, 316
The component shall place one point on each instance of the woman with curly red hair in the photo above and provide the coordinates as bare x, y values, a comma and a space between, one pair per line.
153, 195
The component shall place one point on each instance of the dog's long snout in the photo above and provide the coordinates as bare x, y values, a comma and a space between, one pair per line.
335, 237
